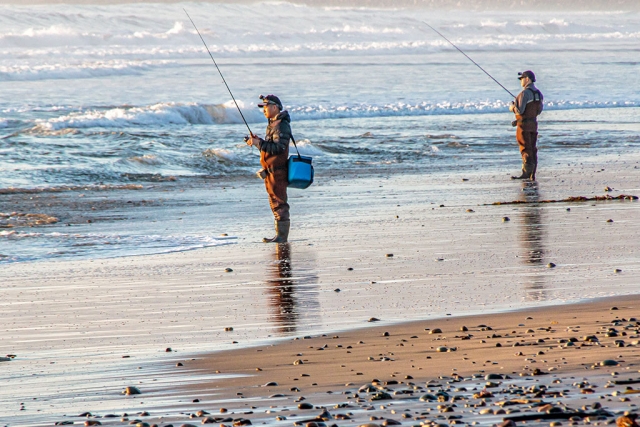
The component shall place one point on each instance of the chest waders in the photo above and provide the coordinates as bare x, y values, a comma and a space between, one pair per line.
527, 136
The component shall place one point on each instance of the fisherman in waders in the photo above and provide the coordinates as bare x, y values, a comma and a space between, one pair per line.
527, 107
274, 153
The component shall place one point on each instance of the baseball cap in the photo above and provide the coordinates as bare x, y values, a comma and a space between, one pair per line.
527, 73
270, 99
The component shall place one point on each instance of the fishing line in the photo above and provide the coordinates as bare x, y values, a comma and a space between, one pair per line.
218, 68
474, 62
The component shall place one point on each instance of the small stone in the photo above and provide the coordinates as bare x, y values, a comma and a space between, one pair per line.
609, 220
607, 188
386, 334
435, 331
609, 362
613, 308
298, 362
617, 270
551, 265
389, 255
131, 391
270, 384
228, 270
470, 210
92, 423
336, 290
179, 364
168, 350
464, 328
442, 349
350, 269
506, 219
228, 329
374, 319
305, 405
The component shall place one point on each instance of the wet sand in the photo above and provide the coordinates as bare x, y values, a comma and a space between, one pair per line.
83, 331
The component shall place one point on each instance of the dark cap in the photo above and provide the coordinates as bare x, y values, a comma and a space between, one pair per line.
527, 73
270, 99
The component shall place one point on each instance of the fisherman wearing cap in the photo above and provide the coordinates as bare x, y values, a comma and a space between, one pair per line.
527, 107
274, 153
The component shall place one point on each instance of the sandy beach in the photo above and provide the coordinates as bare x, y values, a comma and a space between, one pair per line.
399, 249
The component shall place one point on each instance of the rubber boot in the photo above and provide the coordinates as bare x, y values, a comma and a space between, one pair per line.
282, 233
524, 173
533, 171
528, 172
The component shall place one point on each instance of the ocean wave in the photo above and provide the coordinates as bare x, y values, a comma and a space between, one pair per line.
58, 245
78, 71
167, 114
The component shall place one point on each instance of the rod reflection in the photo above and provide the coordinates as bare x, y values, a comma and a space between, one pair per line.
290, 294
532, 236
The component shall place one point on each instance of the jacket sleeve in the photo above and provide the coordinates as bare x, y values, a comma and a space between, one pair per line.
280, 141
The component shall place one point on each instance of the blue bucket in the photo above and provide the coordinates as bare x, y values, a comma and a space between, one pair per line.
300, 171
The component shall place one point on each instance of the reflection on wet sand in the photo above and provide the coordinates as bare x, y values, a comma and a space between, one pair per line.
532, 238
288, 294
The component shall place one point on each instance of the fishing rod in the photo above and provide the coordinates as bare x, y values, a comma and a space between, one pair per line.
474, 62
218, 68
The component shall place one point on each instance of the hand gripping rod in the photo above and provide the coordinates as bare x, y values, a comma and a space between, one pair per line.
225, 82
474, 62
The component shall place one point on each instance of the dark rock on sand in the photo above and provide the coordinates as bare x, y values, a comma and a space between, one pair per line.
131, 391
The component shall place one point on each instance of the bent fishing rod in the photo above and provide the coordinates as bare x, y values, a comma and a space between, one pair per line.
218, 68
474, 62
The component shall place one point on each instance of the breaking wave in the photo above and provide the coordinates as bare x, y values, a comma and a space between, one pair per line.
167, 114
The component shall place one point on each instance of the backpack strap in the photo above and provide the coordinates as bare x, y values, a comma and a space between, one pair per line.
294, 144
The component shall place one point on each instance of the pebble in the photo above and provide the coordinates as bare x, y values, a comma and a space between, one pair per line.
442, 349
131, 391
92, 423
228, 329
506, 219
336, 290
551, 265
298, 362
389, 255
609, 362
374, 319
617, 270
609, 220
305, 405
270, 384
435, 331
228, 270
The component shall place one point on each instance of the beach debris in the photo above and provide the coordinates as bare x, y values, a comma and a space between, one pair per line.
131, 390
606, 197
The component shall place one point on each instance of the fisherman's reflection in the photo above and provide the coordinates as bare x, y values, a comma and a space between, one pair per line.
532, 234
281, 290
